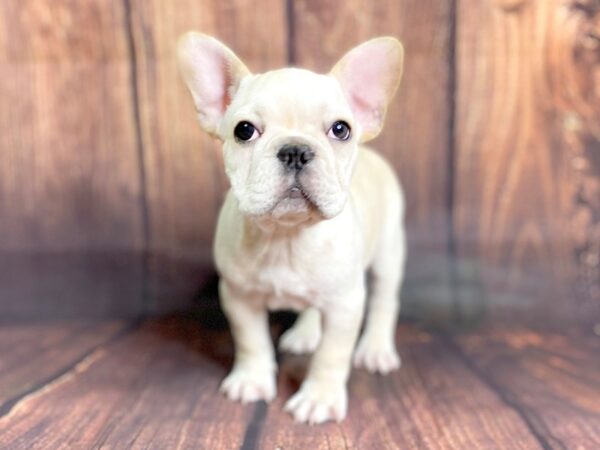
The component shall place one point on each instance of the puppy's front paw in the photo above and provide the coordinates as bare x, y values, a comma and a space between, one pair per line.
376, 355
318, 402
300, 340
246, 385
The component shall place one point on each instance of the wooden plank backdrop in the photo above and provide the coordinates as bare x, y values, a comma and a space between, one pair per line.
70, 190
109, 190
527, 186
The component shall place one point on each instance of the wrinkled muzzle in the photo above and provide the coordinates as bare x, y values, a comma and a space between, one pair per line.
290, 177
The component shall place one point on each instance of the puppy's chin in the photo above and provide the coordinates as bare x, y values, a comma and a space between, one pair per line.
293, 208
289, 208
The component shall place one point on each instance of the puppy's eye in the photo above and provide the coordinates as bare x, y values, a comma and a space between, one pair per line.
340, 130
245, 131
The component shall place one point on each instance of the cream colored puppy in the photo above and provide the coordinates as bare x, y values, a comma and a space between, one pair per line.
309, 211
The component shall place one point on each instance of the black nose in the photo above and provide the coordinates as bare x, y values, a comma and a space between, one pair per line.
295, 156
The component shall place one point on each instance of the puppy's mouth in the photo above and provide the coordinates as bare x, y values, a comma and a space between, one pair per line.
296, 192
295, 201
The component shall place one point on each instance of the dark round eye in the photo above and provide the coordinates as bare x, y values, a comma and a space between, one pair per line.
339, 130
245, 131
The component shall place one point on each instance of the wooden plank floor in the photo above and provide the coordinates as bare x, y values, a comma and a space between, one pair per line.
154, 385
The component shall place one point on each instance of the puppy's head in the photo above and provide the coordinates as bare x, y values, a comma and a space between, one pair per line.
290, 136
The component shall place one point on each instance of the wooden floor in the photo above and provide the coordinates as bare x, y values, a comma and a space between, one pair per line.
154, 385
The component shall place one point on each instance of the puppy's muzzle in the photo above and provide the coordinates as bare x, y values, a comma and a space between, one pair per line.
295, 156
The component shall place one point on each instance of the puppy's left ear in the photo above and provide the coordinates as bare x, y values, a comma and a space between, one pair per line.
212, 73
370, 75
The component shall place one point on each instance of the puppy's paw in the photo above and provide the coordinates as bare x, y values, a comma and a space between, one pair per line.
246, 385
300, 340
376, 355
318, 402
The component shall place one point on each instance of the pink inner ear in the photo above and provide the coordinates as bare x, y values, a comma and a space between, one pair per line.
368, 75
212, 73
215, 78
365, 77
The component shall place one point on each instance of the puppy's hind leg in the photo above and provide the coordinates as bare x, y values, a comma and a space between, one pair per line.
305, 335
376, 349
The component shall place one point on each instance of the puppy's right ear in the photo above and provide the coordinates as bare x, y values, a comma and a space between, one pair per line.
212, 73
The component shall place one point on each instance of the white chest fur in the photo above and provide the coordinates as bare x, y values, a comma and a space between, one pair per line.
292, 270
277, 274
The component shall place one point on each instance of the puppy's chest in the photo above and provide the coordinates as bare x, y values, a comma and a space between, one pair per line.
278, 274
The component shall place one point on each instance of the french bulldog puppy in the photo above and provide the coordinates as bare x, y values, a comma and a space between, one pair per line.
309, 211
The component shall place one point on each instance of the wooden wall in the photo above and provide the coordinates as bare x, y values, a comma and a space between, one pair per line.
527, 157
109, 190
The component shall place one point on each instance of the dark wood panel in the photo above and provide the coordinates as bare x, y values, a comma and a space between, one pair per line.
69, 172
157, 386
553, 379
416, 135
33, 354
51, 285
527, 179
184, 171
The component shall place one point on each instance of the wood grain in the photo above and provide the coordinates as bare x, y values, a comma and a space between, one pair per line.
33, 354
553, 379
156, 387
109, 189
183, 167
417, 131
433, 402
527, 177
69, 169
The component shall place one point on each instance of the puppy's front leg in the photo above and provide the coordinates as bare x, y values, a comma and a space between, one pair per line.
253, 375
323, 394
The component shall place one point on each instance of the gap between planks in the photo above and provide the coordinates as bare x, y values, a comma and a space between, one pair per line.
67, 372
533, 423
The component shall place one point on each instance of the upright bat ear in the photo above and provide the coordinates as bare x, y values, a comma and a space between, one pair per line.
370, 75
212, 73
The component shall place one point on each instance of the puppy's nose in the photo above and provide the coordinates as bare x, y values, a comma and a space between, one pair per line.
295, 156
